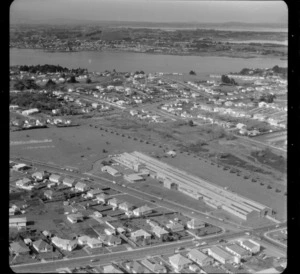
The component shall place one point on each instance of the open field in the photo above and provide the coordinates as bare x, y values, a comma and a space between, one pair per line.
81, 147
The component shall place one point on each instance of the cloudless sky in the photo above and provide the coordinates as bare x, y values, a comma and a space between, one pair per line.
152, 10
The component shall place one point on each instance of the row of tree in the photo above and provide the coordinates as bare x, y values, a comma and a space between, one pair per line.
51, 69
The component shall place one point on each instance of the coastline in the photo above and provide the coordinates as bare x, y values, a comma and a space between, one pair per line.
202, 54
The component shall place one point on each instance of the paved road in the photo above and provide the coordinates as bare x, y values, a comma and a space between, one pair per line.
273, 240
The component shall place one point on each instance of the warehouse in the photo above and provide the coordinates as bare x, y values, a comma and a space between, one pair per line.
250, 245
238, 251
110, 170
195, 187
133, 178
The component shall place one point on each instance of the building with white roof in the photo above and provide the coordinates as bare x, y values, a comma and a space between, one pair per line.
179, 262
199, 257
221, 255
250, 245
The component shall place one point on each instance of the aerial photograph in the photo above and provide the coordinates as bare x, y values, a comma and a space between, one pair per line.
148, 136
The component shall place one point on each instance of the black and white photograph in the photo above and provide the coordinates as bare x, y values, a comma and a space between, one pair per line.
148, 136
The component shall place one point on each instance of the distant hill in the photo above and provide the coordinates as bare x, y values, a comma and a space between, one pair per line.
226, 25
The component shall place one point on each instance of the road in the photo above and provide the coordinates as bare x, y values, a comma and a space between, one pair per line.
281, 151
273, 240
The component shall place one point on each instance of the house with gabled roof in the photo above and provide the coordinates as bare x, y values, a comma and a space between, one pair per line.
140, 235
175, 227
113, 202
54, 178
143, 210
19, 248
111, 269
199, 257
41, 246
179, 262
81, 186
74, 218
159, 231
154, 267
126, 206
70, 182
94, 192
102, 197
195, 224
64, 244
110, 240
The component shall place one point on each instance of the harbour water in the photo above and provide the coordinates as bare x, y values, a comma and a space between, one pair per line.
131, 61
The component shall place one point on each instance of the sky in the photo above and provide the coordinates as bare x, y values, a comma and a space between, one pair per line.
152, 10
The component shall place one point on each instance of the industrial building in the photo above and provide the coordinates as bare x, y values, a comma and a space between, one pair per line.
250, 245
222, 256
195, 187
238, 251
110, 170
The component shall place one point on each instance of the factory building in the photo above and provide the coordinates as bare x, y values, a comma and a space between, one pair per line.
110, 170
238, 251
222, 256
250, 245
195, 187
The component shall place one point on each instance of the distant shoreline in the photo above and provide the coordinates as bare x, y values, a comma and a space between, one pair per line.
202, 54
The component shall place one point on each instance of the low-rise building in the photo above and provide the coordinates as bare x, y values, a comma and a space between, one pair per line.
41, 246
110, 170
199, 257
126, 206
94, 192
159, 231
238, 251
221, 255
81, 186
195, 224
154, 267
102, 197
143, 210
54, 178
38, 176
74, 218
250, 245
111, 269
64, 244
140, 235
175, 227
18, 222
179, 262
48, 194
110, 240
70, 182
94, 243
113, 202
19, 248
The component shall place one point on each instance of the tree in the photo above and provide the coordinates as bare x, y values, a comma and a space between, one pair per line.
88, 80
226, 80
192, 72
72, 79
191, 123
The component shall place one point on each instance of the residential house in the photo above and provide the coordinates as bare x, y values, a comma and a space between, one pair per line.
113, 202
74, 218
70, 182
102, 198
159, 231
111, 269
18, 222
110, 231
64, 244
143, 210
154, 267
54, 178
135, 267
81, 186
94, 192
195, 224
179, 262
94, 243
48, 194
38, 176
41, 246
110, 240
19, 248
175, 227
140, 235
126, 206
199, 257
82, 240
